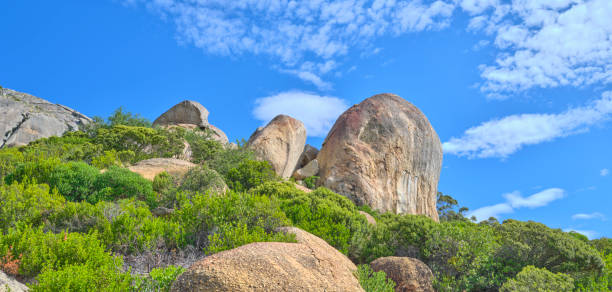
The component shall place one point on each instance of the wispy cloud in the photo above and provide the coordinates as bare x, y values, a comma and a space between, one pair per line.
515, 201
318, 113
296, 32
505, 136
583, 216
544, 43
590, 234
604, 172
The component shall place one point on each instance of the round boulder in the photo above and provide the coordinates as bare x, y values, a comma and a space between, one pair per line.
409, 274
281, 143
383, 152
309, 265
185, 112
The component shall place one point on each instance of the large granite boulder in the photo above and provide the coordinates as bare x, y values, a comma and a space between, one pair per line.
281, 143
7, 284
309, 265
151, 167
310, 169
308, 155
190, 114
384, 153
409, 274
25, 118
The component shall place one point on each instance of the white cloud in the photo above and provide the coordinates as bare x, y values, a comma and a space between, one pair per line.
515, 201
595, 215
294, 33
540, 199
544, 43
502, 137
604, 172
318, 113
590, 234
485, 213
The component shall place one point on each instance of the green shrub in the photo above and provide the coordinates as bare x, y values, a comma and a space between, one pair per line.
203, 147
535, 279
166, 186
142, 141
322, 212
74, 180
26, 204
232, 235
311, 182
89, 276
120, 183
127, 119
249, 174
9, 159
159, 279
38, 170
202, 179
202, 214
72, 146
374, 281
230, 157
40, 250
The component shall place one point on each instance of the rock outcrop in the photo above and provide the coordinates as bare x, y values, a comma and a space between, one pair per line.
368, 217
190, 114
308, 155
309, 265
281, 143
409, 275
151, 167
312, 168
25, 118
9, 284
384, 153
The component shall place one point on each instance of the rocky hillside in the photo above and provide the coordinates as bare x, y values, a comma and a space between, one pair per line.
25, 118
124, 204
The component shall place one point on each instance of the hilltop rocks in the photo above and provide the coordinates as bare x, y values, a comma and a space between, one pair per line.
309, 265
185, 112
9, 284
190, 114
25, 118
409, 275
151, 167
384, 153
281, 143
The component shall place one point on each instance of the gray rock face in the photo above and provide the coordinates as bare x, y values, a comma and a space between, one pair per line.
190, 114
9, 284
185, 112
25, 118
309, 154
312, 168
280, 142
409, 275
384, 153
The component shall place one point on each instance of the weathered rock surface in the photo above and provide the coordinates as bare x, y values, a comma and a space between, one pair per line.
309, 154
368, 217
185, 112
384, 153
280, 142
25, 118
151, 167
190, 114
409, 274
309, 265
312, 168
9, 284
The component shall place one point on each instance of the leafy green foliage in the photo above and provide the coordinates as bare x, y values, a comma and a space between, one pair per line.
232, 235
89, 276
374, 281
159, 279
249, 174
311, 182
202, 179
26, 204
229, 158
322, 212
120, 183
535, 279
203, 147
448, 210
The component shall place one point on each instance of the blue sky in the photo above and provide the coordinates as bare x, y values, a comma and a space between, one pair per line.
520, 92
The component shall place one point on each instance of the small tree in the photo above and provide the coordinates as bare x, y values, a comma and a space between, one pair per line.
535, 279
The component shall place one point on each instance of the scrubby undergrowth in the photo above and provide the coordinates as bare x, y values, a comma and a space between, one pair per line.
74, 218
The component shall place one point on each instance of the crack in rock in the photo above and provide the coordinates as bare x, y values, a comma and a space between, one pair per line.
11, 132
